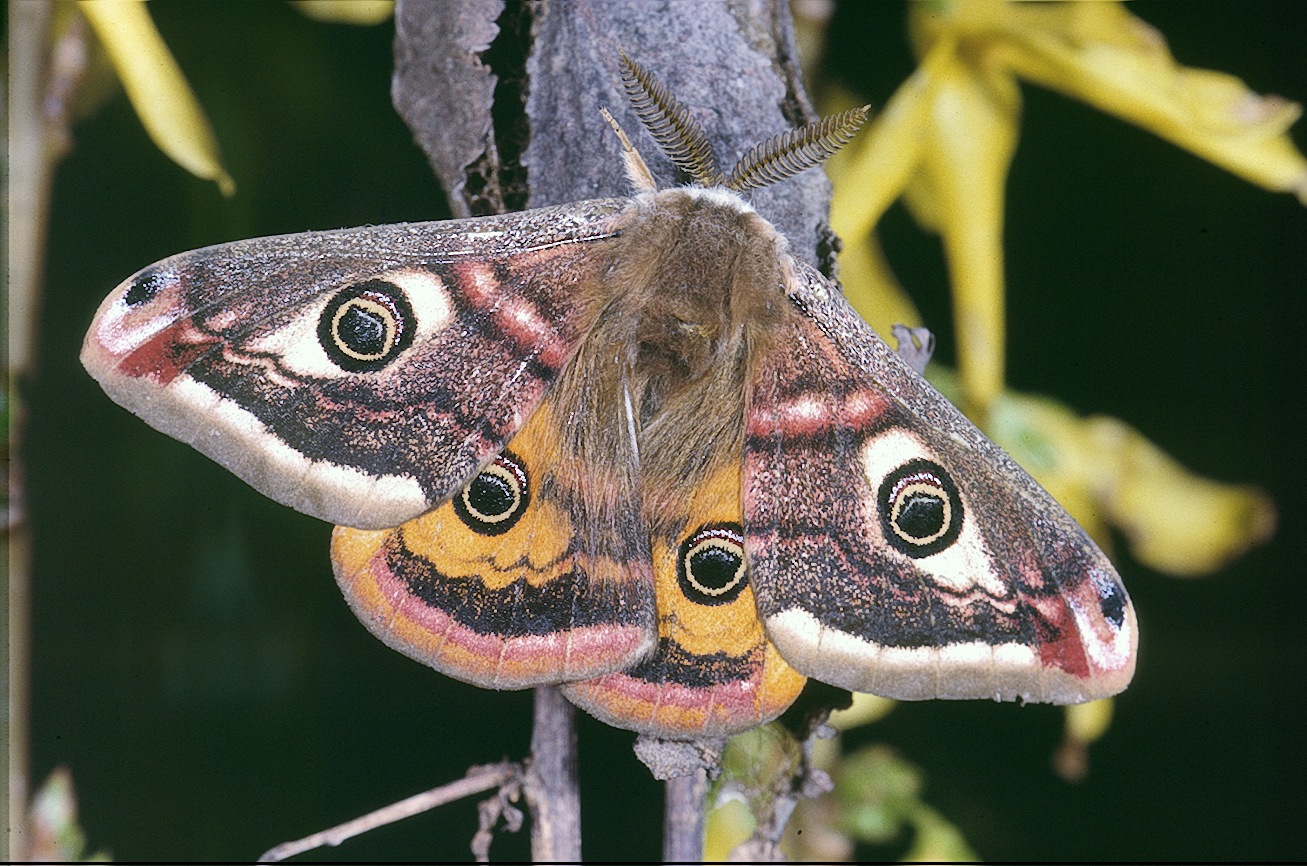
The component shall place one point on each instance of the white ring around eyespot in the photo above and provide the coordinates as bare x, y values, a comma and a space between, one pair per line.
902, 493
515, 484
962, 565
722, 543
296, 344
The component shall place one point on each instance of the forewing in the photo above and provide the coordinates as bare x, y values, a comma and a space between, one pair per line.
895, 550
359, 376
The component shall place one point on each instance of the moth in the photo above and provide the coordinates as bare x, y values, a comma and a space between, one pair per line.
630, 446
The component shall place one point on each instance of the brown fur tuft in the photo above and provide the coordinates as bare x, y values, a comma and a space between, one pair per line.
690, 297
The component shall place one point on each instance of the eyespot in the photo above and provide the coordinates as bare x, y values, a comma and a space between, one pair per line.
710, 567
493, 502
920, 509
366, 325
1111, 598
144, 288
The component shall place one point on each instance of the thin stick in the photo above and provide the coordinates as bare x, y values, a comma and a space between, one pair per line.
32, 155
478, 779
552, 791
684, 817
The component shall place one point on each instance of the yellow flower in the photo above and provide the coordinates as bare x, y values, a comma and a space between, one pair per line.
360, 12
944, 141
157, 88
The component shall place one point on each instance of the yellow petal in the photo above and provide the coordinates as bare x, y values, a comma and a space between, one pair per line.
729, 823
871, 173
871, 288
971, 137
1122, 66
1085, 723
1048, 438
865, 709
361, 12
929, 22
156, 87
865, 177
1174, 520
937, 840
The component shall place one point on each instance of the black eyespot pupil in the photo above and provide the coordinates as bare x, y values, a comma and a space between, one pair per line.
710, 569
363, 331
921, 515
491, 495
366, 326
143, 289
714, 567
495, 500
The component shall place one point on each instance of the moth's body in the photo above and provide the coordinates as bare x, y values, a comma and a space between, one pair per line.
694, 284
629, 446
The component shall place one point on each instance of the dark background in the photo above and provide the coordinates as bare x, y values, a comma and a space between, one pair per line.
195, 665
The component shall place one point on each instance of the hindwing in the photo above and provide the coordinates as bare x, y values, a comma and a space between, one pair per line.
530, 575
714, 672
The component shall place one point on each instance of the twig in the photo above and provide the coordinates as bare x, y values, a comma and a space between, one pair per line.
489, 813
683, 817
553, 793
478, 779
774, 803
33, 151
686, 766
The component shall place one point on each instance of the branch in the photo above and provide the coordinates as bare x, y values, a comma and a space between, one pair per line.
686, 767
505, 775
552, 792
684, 814
504, 98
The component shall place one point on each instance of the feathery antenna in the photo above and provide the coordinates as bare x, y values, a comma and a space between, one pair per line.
795, 150
669, 122
685, 143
